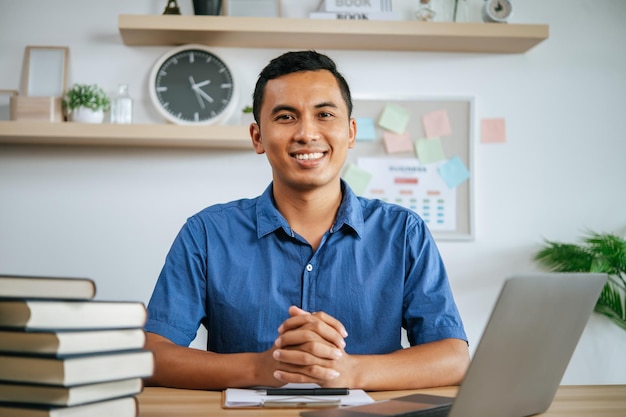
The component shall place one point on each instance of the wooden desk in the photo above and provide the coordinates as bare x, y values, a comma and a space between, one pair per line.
570, 401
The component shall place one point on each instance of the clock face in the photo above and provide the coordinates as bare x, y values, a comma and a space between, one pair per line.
497, 11
191, 85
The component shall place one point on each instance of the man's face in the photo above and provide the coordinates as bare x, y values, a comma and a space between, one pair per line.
305, 129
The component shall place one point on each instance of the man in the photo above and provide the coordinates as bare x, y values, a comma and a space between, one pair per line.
307, 282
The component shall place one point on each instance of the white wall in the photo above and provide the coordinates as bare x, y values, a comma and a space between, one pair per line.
111, 214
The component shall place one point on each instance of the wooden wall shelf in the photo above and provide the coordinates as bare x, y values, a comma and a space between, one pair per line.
133, 135
287, 33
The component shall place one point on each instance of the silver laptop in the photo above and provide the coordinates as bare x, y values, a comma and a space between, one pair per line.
523, 353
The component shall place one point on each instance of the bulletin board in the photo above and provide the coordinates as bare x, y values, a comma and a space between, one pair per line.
371, 153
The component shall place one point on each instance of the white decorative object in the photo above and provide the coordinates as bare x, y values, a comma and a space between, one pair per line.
86, 115
122, 106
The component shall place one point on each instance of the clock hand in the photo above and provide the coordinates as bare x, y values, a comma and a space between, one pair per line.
203, 94
193, 83
201, 83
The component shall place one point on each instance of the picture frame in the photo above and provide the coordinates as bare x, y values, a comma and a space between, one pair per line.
252, 8
460, 143
45, 71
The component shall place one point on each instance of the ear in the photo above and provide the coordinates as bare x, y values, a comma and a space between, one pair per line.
352, 133
255, 135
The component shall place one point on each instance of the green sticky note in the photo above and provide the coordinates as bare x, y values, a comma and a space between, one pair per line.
453, 172
357, 178
429, 150
365, 128
394, 118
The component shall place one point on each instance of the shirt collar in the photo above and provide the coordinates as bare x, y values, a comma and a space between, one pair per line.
269, 218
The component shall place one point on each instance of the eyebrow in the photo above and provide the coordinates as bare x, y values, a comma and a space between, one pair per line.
284, 107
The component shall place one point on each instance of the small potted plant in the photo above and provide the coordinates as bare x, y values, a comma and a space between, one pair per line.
86, 103
246, 116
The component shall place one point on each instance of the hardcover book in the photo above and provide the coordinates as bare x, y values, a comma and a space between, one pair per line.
69, 396
71, 342
121, 407
76, 370
74, 315
46, 287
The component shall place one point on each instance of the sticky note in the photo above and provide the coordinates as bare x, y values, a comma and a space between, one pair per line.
395, 143
492, 131
429, 150
394, 118
357, 178
365, 128
453, 172
436, 124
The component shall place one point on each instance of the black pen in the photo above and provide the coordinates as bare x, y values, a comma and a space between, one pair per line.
307, 391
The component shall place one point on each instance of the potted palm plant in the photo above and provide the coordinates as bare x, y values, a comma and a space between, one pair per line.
597, 252
86, 103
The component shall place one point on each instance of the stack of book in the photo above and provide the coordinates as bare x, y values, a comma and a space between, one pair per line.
62, 353
355, 10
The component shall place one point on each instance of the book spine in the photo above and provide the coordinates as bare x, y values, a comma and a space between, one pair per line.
355, 16
357, 6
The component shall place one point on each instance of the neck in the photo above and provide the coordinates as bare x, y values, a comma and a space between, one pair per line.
310, 213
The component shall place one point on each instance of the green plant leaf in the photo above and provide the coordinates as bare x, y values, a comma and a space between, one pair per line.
598, 252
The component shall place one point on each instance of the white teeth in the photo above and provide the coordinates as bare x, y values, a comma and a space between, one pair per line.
309, 156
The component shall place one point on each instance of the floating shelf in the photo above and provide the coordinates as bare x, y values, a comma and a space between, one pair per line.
132, 135
287, 33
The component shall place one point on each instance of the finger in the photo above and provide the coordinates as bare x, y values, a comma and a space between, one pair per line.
309, 374
304, 329
318, 350
301, 317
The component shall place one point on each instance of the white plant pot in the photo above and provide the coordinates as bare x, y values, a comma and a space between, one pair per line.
85, 115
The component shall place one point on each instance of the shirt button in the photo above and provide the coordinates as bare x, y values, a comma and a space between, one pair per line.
309, 267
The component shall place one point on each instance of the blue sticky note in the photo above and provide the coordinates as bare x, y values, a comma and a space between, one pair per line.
453, 172
365, 128
394, 118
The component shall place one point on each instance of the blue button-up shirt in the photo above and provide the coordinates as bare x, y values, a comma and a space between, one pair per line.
237, 267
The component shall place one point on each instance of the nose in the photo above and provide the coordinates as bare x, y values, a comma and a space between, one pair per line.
307, 130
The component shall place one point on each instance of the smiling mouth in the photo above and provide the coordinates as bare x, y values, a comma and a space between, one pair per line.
308, 156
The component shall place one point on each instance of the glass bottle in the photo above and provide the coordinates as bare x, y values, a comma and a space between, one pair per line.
122, 106
424, 12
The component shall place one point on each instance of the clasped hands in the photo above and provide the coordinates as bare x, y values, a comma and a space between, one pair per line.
310, 349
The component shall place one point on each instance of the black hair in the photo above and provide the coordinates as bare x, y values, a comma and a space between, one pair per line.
296, 61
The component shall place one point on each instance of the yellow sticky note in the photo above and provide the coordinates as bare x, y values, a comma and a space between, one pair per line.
357, 178
436, 124
429, 150
394, 118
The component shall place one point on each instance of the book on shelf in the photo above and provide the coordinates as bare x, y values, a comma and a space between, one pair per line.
356, 15
51, 395
71, 342
76, 369
23, 286
119, 407
357, 6
71, 315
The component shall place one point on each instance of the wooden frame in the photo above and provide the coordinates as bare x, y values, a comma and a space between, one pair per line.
45, 71
460, 143
251, 8
5, 103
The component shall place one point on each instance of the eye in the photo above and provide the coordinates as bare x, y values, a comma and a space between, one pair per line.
325, 115
283, 117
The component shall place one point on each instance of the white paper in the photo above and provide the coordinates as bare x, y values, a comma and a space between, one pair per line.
237, 397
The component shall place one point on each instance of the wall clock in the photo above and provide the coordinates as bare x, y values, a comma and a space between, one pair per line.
497, 11
191, 85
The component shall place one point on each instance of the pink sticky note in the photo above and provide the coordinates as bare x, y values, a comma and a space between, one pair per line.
492, 131
395, 143
436, 124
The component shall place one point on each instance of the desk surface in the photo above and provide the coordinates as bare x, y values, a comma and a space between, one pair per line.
570, 401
